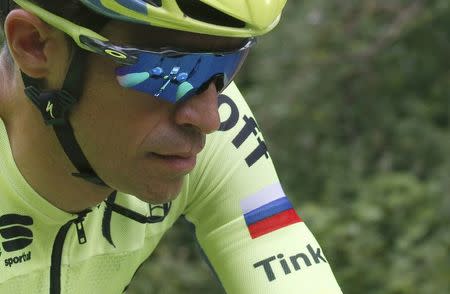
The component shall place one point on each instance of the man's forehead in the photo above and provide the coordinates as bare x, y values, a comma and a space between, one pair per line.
149, 37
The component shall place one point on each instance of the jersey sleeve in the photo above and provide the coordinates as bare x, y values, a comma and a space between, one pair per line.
252, 236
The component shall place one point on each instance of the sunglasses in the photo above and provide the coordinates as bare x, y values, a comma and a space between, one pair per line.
168, 74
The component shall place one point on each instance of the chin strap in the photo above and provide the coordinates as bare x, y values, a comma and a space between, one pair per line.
4, 6
55, 106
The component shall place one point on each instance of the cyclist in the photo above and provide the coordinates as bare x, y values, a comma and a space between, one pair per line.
118, 117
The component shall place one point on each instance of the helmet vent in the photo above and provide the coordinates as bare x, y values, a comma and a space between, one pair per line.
203, 12
156, 3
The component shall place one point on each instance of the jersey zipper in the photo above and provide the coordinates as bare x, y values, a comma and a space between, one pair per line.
58, 245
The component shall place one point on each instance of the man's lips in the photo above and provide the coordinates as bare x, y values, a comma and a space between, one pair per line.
179, 156
175, 155
180, 163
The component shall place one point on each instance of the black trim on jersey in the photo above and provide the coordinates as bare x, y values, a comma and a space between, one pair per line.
106, 221
55, 268
111, 207
58, 245
136, 216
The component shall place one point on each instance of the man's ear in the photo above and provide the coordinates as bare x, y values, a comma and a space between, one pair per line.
32, 43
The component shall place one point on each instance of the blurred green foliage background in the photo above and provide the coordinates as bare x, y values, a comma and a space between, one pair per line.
353, 98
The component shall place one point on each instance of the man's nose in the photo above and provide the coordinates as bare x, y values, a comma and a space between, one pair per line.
200, 111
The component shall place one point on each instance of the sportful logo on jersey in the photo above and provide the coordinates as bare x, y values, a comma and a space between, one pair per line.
14, 231
268, 210
16, 236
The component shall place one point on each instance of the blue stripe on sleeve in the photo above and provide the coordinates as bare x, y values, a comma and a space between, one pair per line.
267, 210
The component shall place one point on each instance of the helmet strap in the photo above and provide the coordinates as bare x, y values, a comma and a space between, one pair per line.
55, 106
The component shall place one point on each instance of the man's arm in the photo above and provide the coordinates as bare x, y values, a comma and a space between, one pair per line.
244, 222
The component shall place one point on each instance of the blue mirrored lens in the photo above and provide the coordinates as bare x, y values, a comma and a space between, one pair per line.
174, 76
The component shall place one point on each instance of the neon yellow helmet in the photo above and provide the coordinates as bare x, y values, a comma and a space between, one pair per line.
228, 18
233, 18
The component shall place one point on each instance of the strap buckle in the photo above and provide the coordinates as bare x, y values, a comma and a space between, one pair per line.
53, 104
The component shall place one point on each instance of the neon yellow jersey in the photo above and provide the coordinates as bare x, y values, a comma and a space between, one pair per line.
253, 238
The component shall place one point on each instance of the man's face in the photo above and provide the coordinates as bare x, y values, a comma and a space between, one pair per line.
136, 143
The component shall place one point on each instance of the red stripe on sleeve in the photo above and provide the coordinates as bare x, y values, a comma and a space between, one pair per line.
273, 223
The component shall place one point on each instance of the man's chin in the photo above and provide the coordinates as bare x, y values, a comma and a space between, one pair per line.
162, 195
160, 199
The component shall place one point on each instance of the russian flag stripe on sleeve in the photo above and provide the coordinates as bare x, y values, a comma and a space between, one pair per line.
266, 195
268, 210
274, 223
